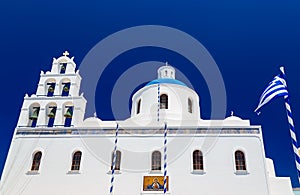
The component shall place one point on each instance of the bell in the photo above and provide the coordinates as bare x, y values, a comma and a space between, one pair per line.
51, 114
63, 68
68, 114
51, 89
34, 115
66, 89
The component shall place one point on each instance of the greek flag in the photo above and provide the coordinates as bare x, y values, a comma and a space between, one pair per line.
276, 88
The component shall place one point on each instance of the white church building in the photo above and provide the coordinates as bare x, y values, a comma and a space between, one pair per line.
55, 150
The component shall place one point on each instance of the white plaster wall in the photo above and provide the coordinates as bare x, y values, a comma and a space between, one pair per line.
280, 186
53, 177
270, 167
177, 102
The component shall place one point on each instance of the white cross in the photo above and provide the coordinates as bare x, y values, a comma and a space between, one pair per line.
66, 53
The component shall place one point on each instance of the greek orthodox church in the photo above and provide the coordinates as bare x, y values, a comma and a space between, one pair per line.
163, 148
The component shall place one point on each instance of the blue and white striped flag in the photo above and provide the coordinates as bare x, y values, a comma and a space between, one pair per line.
278, 88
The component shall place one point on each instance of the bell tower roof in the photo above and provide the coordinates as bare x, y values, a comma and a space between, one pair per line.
166, 72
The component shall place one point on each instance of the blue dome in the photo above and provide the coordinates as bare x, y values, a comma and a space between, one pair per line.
166, 80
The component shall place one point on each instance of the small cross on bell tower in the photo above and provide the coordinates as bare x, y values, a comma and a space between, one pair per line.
66, 53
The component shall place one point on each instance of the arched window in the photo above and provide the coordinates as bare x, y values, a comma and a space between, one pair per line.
156, 161
163, 101
190, 106
138, 108
36, 161
197, 160
76, 161
240, 162
118, 160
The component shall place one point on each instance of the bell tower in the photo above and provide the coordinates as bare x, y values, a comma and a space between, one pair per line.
57, 102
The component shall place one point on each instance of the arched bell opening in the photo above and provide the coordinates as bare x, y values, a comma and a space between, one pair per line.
68, 109
51, 113
65, 87
34, 110
50, 87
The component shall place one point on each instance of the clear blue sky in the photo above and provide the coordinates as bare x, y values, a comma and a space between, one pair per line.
249, 40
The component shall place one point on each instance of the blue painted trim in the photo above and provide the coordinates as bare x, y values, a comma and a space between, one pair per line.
168, 81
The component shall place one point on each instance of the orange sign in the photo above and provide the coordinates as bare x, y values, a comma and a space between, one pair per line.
155, 183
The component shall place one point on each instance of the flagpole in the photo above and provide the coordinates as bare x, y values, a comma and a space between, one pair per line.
165, 158
158, 101
114, 162
292, 131
293, 135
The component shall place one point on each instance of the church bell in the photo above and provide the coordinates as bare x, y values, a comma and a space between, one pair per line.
51, 89
68, 114
66, 89
34, 115
52, 113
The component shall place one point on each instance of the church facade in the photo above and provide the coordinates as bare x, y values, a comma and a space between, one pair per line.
164, 145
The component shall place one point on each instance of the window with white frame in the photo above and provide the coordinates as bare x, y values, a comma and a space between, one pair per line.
138, 108
163, 101
156, 161
36, 161
197, 160
76, 159
240, 161
190, 105
118, 160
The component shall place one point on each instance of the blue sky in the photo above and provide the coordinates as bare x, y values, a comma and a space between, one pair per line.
249, 40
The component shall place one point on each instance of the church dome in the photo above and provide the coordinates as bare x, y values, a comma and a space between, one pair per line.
233, 118
165, 98
235, 121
